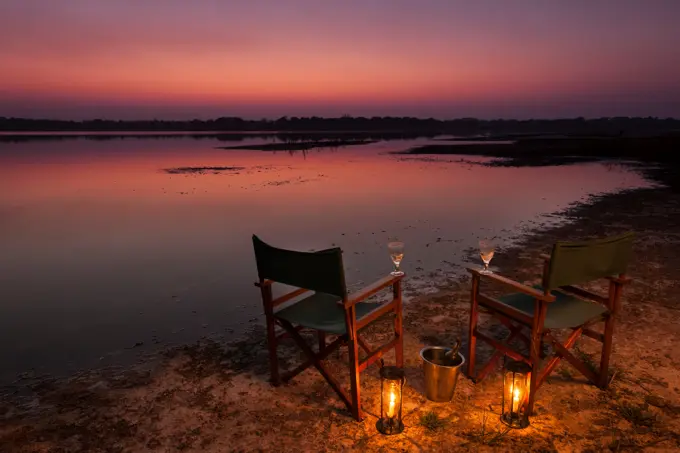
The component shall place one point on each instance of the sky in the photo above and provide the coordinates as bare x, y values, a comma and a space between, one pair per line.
181, 59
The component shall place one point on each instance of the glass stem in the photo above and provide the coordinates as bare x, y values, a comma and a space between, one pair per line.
486, 266
396, 267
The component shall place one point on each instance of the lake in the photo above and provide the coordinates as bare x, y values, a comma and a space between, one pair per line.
105, 256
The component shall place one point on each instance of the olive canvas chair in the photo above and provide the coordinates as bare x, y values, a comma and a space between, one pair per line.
556, 305
327, 309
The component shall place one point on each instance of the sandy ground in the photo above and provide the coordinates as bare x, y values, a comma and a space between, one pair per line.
215, 398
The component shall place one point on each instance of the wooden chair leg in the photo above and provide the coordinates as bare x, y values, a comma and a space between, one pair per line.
472, 340
603, 378
354, 379
316, 360
273, 357
493, 361
334, 345
615, 290
507, 323
553, 362
573, 361
272, 342
533, 381
540, 310
353, 347
398, 325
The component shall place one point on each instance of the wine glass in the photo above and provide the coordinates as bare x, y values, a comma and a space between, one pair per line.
396, 249
487, 247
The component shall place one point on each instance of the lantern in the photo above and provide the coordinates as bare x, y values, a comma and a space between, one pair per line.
515, 394
391, 387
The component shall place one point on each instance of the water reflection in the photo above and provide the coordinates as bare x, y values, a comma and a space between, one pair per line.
102, 249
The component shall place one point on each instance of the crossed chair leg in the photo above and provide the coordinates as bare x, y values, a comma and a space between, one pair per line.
535, 344
352, 401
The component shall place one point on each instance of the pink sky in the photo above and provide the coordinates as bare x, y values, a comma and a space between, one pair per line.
255, 58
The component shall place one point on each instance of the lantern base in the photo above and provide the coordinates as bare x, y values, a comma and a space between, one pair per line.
515, 421
389, 426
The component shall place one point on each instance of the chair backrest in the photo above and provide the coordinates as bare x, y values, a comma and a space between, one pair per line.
572, 263
320, 271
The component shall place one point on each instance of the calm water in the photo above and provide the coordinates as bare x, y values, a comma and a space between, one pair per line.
100, 249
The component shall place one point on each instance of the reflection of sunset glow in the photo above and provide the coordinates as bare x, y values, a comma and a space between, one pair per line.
96, 232
357, 178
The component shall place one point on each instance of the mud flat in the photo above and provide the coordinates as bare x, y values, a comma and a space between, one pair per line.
301, 146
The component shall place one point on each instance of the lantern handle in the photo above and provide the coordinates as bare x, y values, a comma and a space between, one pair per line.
382, 365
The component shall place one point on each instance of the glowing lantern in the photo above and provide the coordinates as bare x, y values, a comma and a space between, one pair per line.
391, 390
516, 394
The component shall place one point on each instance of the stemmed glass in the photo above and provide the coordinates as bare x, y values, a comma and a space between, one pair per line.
396, 249
487, 247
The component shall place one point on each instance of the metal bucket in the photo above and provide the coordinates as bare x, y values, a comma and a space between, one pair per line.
441, 372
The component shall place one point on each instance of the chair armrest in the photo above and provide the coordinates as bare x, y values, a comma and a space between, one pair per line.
368, 291
528, 290
545, 256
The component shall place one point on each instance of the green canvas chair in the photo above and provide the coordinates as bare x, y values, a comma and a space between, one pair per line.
557, 304
326, 309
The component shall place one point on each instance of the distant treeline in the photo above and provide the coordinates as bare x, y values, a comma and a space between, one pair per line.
616, 126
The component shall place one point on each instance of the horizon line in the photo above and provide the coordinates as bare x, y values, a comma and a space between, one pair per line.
345, 116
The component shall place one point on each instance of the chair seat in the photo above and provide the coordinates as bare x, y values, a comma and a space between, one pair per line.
321, 311
565, 312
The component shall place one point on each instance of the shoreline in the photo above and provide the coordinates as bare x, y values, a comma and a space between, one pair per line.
213, 397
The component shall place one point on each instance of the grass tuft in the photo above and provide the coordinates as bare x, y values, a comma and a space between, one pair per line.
432, 422
636, 414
